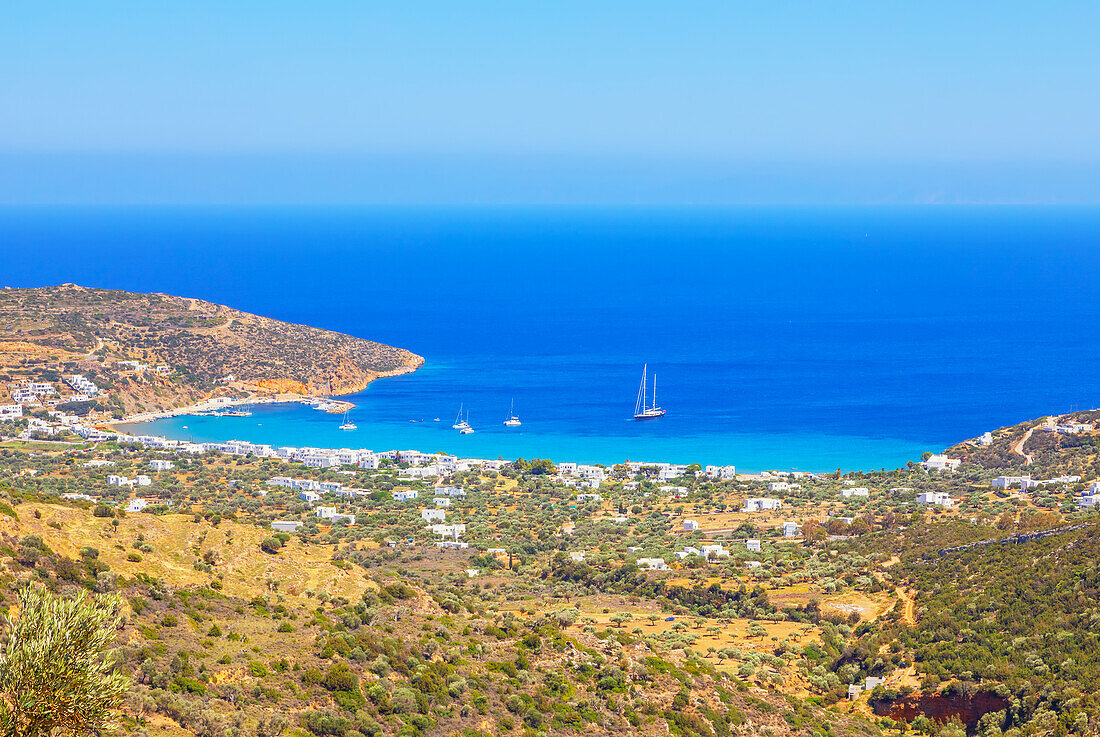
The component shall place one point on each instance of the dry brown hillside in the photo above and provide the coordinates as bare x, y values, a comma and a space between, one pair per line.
201, 342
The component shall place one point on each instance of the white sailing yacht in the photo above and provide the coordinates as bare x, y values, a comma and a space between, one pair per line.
512, 420
643, 410
460, 423
348, 424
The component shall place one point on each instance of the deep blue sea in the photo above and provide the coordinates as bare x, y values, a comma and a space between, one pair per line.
781, 337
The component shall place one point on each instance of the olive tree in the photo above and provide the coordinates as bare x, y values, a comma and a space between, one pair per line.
56, 673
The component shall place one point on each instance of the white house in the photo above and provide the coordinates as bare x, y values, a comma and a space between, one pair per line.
652, 564
716, 551
753, 546
451, 491
790, 529
98, 463
857, 491
690, 525
78, 497
137, 504
330, 514
442, 502
778, 486
986, 439
762, 505
309, 496
589, 498
282, 525
10, 411
159, 465
430, 515
454, 531
404, 495
114, 480
142, 480
1007, 482
935, 497
940, 463
576, 557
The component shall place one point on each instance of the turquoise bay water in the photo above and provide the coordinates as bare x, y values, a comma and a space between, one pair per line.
781, 337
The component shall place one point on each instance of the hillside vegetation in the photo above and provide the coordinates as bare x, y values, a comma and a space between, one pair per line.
80, 330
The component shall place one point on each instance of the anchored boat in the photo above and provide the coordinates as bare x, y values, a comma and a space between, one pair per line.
643, 410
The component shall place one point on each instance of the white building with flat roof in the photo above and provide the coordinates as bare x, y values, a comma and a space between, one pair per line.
940, 463
940, 498
161, 465
762, 505
690, 525
753, 546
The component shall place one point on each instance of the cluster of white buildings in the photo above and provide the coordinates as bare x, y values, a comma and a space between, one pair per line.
82, 385
1026, 482
1068, 428
1091, 497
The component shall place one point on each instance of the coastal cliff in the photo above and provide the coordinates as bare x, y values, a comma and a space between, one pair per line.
150, 352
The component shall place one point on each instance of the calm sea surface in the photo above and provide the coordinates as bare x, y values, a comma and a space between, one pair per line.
782, 337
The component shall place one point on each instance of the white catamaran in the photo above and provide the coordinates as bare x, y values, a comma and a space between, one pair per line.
513, 420
642, 410
460, 423
348, 424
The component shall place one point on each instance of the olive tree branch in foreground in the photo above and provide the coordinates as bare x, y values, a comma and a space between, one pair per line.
56, 672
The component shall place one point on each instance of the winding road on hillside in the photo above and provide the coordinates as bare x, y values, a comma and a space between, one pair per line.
1018, 448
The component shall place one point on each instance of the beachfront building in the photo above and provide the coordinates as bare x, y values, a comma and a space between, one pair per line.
433, 515
652, 564
160, 465
790, 529
404, 495
722, 473
939, 498
753, 546
762, 505
940, 463
690, 525
283, 525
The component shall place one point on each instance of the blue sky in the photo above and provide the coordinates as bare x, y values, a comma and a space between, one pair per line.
545, 102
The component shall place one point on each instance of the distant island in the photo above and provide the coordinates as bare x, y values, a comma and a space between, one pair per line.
138, 353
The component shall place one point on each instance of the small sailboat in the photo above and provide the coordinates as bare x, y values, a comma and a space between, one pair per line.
460, 424
513, 420
642, 409
348, 424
